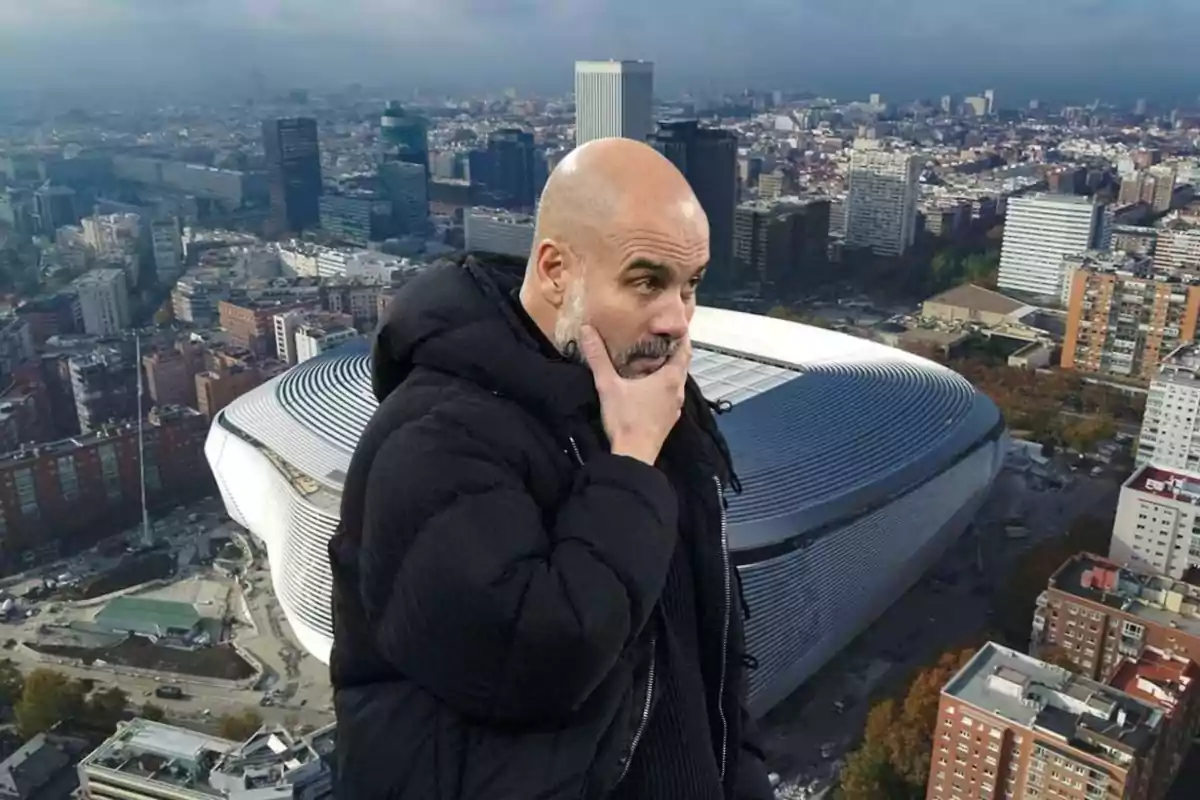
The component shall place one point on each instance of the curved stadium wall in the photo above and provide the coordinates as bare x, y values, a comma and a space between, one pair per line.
861, 463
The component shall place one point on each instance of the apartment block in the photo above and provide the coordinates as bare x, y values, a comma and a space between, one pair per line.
881, 207
1177, 245
1100, 613
1012, 726
1039, 231
1170, 435
1157, 527
1123, 317
154, 761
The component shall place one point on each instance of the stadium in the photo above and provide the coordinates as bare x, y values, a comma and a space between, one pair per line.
861, 465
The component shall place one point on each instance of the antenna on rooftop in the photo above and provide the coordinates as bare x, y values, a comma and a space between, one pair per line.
147, 533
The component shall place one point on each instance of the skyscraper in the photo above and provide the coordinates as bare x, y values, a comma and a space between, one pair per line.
1039, 232
708, 159
403, 136
613, 98
510, 165
293, 173
881, 209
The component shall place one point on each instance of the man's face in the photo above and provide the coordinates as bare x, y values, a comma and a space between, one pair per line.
637, 287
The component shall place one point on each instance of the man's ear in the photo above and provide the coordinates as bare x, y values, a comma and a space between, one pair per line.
550, 271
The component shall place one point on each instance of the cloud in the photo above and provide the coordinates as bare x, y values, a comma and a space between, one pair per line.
494, 43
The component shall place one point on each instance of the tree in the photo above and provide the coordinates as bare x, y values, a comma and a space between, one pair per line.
106, 708
868, 775
48, 698
240, 726
11, 683
152, 712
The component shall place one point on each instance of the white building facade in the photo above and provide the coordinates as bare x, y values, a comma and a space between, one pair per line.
613, 98
1039, 232
1157, 527
490, 230
102, 298
881, 208
1170, 435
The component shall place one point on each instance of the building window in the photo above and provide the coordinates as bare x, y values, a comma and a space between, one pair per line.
110, 470
68, 478
26, 491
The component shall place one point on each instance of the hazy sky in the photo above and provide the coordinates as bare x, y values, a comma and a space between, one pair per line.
925, 46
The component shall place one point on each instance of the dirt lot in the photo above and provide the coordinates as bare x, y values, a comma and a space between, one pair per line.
210, 662
131, 572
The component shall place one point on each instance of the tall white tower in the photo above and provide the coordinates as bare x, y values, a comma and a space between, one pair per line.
881, 208
1039, 231
613, 98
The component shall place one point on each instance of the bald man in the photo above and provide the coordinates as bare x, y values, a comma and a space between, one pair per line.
533, 596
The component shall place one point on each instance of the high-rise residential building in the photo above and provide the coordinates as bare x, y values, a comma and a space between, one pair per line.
1140, 240
511, 163
990, 96
171, 374
1123, 318
1099, 613
613, 98
1009, 725
1157, 525
54, 207
357, 218
1177, 245
102, 296
881, 208
780, 244
489, 230
315, 338
403, 136
1170, 435
707, 157
1154, 186
104, 386
166, 246
406, 185
293, 156
1039, 231
67, 495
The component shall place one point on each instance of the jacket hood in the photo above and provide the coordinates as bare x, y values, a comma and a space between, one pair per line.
461, 318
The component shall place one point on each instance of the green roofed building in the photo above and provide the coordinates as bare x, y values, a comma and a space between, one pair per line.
147, 617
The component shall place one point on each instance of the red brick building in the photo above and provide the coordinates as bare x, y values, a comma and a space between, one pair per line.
60, 497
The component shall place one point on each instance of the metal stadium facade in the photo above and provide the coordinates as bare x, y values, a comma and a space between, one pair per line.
861, 465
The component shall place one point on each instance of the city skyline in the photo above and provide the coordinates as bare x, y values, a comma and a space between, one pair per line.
906, 49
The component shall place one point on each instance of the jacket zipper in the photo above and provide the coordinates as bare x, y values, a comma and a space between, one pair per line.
575, 450
724, 625
641, 728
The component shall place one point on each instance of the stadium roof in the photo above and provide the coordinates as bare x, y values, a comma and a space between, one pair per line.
796, 390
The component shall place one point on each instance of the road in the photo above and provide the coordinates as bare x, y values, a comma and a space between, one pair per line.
929, 619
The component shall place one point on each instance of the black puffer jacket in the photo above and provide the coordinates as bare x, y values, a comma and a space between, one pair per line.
497, 571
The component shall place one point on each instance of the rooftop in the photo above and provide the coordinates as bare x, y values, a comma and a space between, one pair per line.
1165, 483
63, 446
977, 298
1104, 722
153, 751
146, 615
1157, 677
274, 758
98, 276
1181, 365
1153, 599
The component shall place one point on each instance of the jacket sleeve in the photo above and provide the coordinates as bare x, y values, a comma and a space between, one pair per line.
502, 609
753, 781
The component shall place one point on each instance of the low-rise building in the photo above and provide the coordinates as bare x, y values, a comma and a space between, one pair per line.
973, 304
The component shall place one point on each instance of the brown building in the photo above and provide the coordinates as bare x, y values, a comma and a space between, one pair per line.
50, 315
60, 497
1169, 682
1097, 613
251, 323
24, 414
974, 304
1011, 726
781, 244
1122, 319
171, 374
220, 386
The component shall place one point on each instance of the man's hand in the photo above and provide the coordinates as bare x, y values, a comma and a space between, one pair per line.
639, 413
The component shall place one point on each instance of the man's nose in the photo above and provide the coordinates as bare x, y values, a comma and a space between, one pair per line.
672, 318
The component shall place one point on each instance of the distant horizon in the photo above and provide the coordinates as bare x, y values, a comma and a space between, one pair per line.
1068, 49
